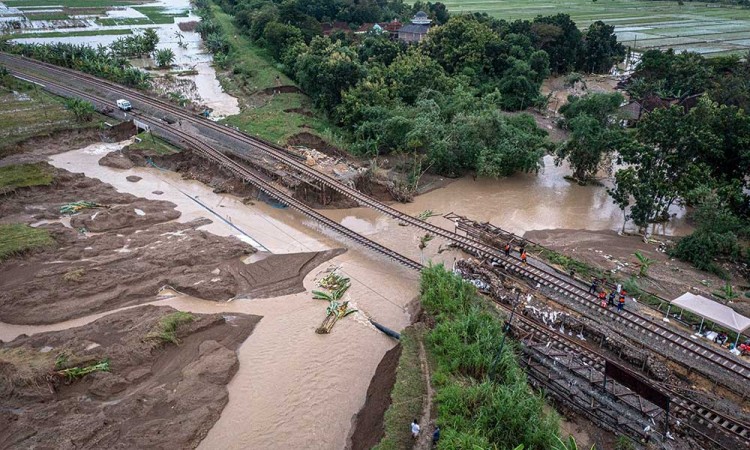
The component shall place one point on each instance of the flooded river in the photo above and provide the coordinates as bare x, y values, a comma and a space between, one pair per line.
289, 378
300, 388
520, 203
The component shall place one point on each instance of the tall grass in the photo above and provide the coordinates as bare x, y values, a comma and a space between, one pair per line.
166, 329
16, 239
476, 410
407, 394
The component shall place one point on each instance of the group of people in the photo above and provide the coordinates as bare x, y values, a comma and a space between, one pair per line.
521, 250
721, 339
415, 430
608, 298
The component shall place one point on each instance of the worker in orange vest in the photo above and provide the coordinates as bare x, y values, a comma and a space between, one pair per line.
603, 298
523, 256
507, 249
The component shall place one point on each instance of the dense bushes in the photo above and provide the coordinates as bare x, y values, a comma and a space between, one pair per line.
482, 402
718, 233
383, 93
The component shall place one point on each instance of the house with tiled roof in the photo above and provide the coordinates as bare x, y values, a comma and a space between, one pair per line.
417, 29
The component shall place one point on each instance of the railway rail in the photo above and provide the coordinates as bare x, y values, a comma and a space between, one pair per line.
639, 323
248, 175
710, 417
718, 428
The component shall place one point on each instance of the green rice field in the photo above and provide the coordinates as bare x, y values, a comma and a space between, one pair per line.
710, 29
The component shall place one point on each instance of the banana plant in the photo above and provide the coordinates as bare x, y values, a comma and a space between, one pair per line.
644, 263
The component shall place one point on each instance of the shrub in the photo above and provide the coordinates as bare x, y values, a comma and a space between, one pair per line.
82, 109
482, 401
702, 248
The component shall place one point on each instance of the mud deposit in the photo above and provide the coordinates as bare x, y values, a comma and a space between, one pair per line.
155, 394
123, 252
367, 424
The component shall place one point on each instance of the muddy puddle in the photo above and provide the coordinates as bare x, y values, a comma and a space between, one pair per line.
519, 203
289, 377
199, 84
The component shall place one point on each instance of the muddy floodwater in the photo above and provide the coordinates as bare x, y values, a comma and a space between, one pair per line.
294, 388
519, 203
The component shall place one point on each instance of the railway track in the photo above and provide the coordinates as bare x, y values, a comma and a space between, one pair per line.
718, 428
54, 75
248, 175
661, 333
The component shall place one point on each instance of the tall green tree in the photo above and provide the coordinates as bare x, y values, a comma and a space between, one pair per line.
663, 162
279, 36
600, 49
326, 70
519, 86
559, 36
595, 132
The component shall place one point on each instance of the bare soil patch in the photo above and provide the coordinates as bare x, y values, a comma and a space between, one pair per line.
309, 140
302, 111
188, 26
39, 148
121, 254
284, 89
155, 395
187, 164
367, 424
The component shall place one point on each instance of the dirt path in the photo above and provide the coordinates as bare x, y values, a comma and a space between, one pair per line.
424, 442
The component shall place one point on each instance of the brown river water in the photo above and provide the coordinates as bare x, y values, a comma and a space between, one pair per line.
297, 389
520, 203
294, 388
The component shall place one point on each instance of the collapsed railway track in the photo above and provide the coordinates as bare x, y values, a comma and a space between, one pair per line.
718, 428
638, 323
706, 417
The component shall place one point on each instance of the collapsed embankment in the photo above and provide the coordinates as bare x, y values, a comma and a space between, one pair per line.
144, 377
367, 424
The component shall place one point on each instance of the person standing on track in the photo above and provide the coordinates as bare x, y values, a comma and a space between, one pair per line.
611, 298
603, 298
523, 256
507, 249
594, 286
621, 303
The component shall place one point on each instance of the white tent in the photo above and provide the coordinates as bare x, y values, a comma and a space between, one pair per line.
713, 311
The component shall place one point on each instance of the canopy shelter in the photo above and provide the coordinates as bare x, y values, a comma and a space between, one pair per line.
713, 311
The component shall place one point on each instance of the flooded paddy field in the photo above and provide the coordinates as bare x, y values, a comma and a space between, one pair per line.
191, 75
707, 28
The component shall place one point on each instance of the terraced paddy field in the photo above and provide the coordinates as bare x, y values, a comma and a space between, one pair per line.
710, 29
